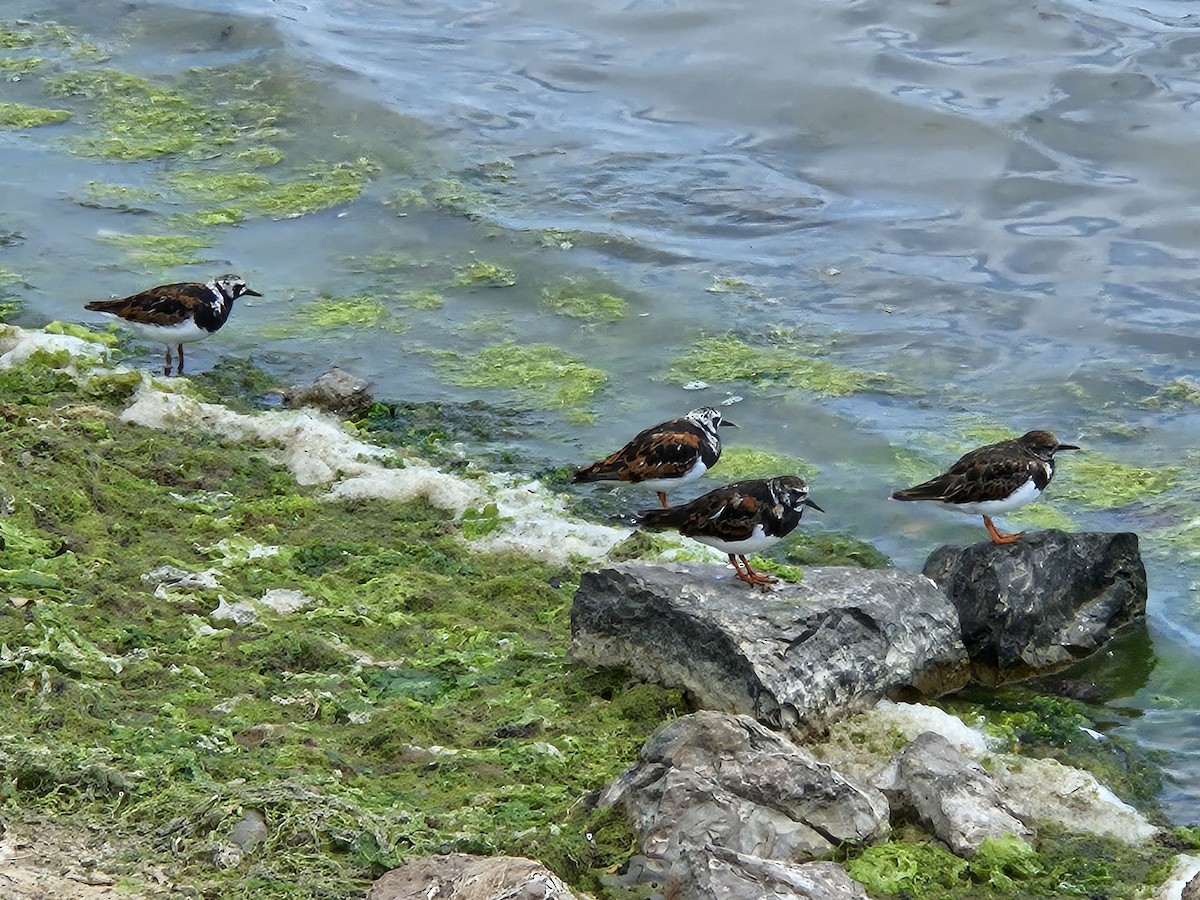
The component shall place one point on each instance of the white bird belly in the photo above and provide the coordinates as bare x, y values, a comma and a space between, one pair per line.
182, 333
758, 540
1022, 496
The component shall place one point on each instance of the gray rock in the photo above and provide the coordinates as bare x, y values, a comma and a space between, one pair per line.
798, 657
712, 780
459, 876
337, 392
723, 874
1042, 602
951, 794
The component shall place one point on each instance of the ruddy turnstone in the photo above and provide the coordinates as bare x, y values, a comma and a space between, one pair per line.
739, 518
994, 479
178, 313
664, 456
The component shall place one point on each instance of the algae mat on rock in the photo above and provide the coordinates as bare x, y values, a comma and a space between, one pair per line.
377, 691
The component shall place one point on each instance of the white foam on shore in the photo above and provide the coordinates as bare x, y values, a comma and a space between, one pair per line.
319, 450
1050, 791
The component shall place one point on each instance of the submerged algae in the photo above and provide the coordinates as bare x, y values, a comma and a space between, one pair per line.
160, 252
585, 300
738, 463
782, 361
538, 374
19, 115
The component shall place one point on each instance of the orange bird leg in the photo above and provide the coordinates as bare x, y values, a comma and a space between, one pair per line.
750, 576
662, 498
179, 354
997, 537
167, 362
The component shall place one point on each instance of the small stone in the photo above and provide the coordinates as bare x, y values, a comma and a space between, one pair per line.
337, 392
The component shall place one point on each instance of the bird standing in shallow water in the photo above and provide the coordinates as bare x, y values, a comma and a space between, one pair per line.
664, 456
739, 518
177, 314
994, 479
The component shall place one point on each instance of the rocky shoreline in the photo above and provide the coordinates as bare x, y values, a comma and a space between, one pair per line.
297, 615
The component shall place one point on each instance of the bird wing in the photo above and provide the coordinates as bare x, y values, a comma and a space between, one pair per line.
167, 304
668, 450
979, 476
728, 513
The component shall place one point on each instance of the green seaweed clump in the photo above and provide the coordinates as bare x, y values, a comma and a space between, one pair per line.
1100, 483
219, 186
782, 362
832, 549
897, 868
1061, 863
738, 463
319, 189
580, 300
19, 115
485, 274
142, 120
160, 252
538, 374
357, 311
1003, 861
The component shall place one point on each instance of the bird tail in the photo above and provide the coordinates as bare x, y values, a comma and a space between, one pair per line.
597, 471
103, 305
658, 517
930, 490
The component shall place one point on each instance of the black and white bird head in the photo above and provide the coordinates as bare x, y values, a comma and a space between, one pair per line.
791, 492
709, 418
231, 287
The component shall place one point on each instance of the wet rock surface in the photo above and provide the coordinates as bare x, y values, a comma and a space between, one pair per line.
712, 781
1047, 600
337, 392
460, 876
951, 794
798, 657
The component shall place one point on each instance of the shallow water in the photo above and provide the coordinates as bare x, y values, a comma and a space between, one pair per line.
993, 204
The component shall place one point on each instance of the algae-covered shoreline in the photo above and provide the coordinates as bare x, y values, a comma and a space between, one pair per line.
212, 617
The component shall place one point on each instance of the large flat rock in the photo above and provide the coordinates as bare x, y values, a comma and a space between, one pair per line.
798, 657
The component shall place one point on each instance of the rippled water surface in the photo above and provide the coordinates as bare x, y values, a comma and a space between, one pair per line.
996, 205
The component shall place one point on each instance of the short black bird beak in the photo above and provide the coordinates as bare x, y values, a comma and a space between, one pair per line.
250, 293
808, 502
1065, 447
725, 422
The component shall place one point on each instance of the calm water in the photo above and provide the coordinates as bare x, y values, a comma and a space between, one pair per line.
995, 203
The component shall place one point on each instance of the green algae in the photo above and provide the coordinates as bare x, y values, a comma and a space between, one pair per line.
19, 115
1060, 863
538, 374
738, 463
831, 549
1096, 482
16, 66
108, 338
783, 362
320, 188
141, 120
910, 868
117, 196
359, 311
160, 252
219, 186
418, 299
446, 194
421, 705
1182, 392
485, 274
1046, 726
585, 300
